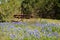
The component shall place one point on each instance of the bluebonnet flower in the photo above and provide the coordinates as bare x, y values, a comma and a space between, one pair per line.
57, 25
12, 36
49, 35
19, 28
53, 25
24, 23
38, 24
17, 22
37, 33
55, 33
2, 25
43, 30
49, 29
11, 26
30, 32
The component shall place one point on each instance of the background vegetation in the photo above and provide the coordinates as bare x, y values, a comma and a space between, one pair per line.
37, 8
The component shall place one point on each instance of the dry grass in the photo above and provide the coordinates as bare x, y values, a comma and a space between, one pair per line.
31, 20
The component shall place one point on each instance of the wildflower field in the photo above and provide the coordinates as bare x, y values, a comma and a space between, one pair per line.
44, 30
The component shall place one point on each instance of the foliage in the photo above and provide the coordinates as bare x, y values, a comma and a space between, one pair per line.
41, 8
37, 8
10, 8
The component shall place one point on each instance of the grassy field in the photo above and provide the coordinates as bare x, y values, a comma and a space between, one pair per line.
31, 29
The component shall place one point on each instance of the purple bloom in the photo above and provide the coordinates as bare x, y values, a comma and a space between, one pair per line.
37, 33
30, 32
17, 22
55, 33
49, 35
12, 36
11, 26
18, 29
